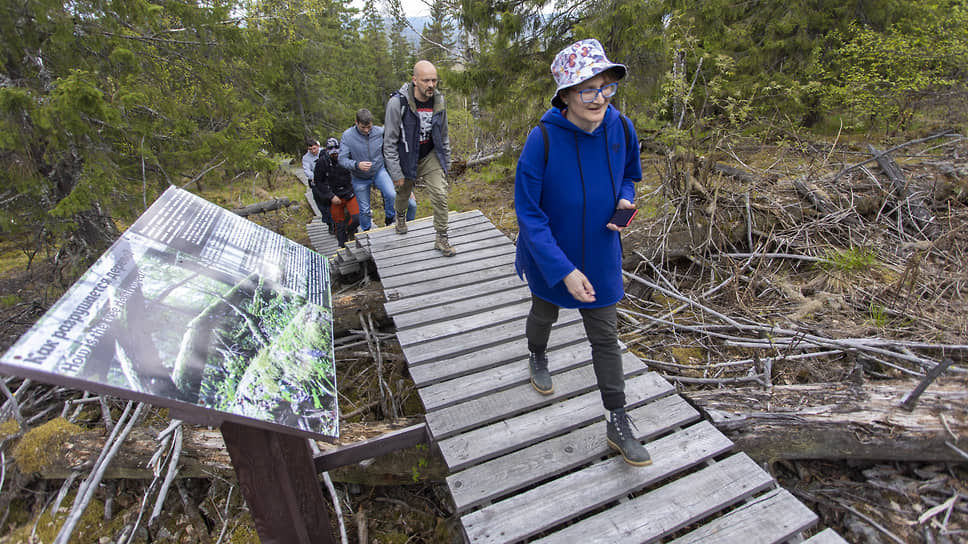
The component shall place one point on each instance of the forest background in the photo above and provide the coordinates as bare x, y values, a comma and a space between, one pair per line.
103, 105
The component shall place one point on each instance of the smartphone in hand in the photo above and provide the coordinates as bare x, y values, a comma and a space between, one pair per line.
622, 218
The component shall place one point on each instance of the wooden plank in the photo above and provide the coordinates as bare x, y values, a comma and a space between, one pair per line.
410, 248
673, 506
462, 308
487, 442
405, 245
475, 340
564, 498
505, 365
436, 263
770, 518
507, 403
827, 536
454, 274
501, 267
449, 327
387, 238
466, 245
491, 287
496, 478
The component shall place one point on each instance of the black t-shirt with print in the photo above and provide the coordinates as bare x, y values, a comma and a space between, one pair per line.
425, 112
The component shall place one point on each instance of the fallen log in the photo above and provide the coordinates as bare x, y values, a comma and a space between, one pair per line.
841, 421
262, 207
204, 456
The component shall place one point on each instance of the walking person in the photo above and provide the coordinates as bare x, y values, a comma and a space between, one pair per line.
334, 185
308, 165
575, 171
416, 147
361, 153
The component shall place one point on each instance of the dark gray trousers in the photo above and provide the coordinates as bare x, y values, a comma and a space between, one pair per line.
601, 327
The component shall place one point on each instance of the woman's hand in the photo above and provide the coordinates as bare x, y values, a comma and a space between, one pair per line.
579, 286
622, 205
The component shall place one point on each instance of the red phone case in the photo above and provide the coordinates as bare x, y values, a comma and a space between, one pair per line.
622, 218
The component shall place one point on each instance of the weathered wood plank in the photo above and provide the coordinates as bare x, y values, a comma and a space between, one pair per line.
827, 536
487, 442
423, 251
499, 367
422, 229
398, 308
561, 499
475, 340
770, 518
462, 308
521, 398
467, 246
498, 477
408, 249
500, 267
441, 329
436, 264
670, 507
503, 257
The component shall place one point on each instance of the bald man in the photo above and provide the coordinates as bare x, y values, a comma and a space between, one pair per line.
416, 147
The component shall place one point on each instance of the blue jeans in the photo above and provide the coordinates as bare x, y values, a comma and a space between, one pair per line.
385, 185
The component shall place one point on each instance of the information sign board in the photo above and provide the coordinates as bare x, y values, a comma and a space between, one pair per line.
197, 309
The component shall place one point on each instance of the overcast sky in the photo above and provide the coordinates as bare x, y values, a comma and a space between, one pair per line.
413, 8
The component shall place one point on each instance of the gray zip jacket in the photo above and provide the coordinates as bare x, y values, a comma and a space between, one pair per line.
401, 147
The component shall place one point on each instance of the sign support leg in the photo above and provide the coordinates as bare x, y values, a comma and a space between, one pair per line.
279, 482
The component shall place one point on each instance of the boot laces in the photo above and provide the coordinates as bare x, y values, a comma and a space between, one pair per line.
623, 423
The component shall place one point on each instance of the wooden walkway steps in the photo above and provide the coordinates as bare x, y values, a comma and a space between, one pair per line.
527, 467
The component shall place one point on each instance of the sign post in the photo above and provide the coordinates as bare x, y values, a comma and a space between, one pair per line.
225, 323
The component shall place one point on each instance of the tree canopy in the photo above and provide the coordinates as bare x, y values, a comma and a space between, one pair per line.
104, 104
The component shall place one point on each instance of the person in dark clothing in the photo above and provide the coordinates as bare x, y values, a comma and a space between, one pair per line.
334, 185
308, 164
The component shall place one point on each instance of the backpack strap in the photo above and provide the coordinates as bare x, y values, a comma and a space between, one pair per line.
544, 134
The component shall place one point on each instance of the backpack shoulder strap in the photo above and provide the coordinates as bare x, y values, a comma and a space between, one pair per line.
544, 136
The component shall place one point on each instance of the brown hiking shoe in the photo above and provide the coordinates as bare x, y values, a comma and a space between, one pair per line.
443, 246
401, 226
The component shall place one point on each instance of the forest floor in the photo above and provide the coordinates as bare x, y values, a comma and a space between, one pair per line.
876, 271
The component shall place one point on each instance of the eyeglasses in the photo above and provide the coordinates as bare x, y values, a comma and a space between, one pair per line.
589, 95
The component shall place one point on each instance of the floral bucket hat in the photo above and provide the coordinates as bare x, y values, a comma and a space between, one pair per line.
579, 62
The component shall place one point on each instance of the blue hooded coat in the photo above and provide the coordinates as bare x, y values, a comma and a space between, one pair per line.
563, 206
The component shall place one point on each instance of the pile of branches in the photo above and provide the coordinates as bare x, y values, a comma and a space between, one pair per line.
788, 265
818, 312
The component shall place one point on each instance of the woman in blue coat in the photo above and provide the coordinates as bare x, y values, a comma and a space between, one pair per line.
572, 176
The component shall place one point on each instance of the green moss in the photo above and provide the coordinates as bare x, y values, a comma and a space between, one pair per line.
9, 428
37, 448
90, 527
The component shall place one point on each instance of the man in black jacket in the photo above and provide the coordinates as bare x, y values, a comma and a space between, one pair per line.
333, 184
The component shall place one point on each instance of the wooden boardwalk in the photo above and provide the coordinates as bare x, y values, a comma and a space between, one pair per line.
527, 467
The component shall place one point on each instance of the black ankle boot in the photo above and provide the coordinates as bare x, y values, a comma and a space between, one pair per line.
540, 377
620, 437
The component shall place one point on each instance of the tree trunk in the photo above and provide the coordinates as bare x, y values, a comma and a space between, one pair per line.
204, 456
262, 207
841, 421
